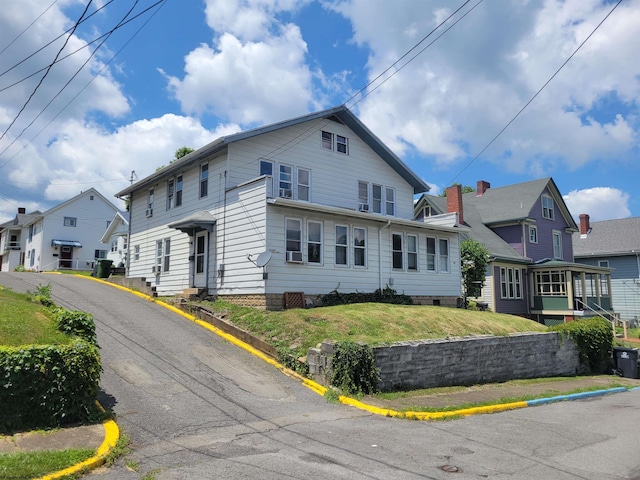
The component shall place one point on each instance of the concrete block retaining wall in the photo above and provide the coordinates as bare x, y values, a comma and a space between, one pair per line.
463, 361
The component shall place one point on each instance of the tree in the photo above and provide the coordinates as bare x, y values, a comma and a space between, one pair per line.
474, 258
181, 152
465, 189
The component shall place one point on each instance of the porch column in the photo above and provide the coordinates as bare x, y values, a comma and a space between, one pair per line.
569, 282
584, 290
609, 290
598, 289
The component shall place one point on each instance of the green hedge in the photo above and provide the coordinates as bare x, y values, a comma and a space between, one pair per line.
45, 386
385, 295
593, 338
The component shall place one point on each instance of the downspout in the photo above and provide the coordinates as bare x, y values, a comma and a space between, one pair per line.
380, 253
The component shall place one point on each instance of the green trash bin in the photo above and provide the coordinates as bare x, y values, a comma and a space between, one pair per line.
104, 268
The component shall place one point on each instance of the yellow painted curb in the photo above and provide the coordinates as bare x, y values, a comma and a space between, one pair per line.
316, 387
111, 435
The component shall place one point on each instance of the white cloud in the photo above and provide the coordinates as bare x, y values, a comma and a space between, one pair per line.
600, 203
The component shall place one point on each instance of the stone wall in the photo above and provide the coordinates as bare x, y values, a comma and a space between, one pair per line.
463, 361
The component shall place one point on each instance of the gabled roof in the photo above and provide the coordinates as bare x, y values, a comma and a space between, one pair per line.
113, 225
341, 114
91, 191
609, 237
20, 220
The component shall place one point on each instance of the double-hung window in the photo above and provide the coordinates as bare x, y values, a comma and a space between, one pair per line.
293, 235
304, 184
557, 244
363, 194
314, 242
431, 254
171, 187
396, 250
163, 251
412, 253
376, 198
70, 221
204, 180
359, 247
136, 253
510, 283
178, 190
327, 140
547, 207
342, 144
150, 195
390, 201
285, 183
443, 251
533, 234
342, 245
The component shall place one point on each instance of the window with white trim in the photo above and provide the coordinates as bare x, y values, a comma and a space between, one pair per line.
412, 253
285, 181
550, 284
359, 247
557, 244
342, 245
100, 254
443, 254
363, 193
431, 254
603, 263
70, 221
150, 195
533, 234
178, 190
510, 283
171, 186
376, 198
293, 235
396, 251
204, 180
327, 140
547, 207
136, 252
390, 201
163, 252
342, 144
304, 184
314, 242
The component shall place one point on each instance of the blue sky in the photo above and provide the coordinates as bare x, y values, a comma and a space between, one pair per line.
197, 70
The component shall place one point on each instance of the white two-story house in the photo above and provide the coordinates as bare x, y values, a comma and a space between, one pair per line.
304, 206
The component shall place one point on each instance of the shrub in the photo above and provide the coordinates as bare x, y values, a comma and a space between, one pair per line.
76, 322
384, 295
42, 295
354, 369
593, 338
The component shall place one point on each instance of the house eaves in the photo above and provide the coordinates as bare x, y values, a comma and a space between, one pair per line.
340, 114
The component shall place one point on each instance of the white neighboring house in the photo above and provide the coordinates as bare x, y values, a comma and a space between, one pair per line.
304, 206
12, 241
68, 236
116, 237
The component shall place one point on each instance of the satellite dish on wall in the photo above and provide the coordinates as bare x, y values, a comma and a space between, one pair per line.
263, 259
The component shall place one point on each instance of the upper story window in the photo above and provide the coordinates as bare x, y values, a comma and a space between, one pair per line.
376, 198
390, 201
70, 221
150, 203
338, 143
171, 187
30, 233
304, 184
557, 244
266, 168
547, 207
533, 234
204, 180
285, 181
603, 263
178, 190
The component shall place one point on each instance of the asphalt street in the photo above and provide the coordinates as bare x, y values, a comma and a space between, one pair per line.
197, 407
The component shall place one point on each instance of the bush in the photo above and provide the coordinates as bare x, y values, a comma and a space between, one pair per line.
354, 369
42, 295
76, 322
593, 338
385, 295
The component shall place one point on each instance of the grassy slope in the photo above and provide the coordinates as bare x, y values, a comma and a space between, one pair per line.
372, 323
23, 322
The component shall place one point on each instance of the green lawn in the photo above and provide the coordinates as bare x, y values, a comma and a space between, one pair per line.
23, 322
37, 464
371, 323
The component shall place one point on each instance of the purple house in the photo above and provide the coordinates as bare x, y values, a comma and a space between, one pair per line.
527, 229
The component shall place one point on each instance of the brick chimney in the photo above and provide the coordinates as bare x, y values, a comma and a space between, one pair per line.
584, 224
454, 201
482, 187
22, 210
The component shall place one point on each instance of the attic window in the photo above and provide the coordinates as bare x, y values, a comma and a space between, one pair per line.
547, 207
90, 197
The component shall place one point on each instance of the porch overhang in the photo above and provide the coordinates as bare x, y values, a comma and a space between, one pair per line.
197, 222
66, 243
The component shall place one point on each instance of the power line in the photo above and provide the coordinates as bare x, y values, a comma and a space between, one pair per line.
28, 27
47, 72
536, 94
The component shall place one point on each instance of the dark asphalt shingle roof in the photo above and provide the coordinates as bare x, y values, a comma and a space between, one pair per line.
609, 237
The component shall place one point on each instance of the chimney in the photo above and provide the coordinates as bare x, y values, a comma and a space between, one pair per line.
482, 187
454, 201
22, 210
584, 224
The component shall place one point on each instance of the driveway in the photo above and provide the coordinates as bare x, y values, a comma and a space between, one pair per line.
197, 407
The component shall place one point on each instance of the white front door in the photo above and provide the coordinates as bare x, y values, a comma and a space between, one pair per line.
200, 259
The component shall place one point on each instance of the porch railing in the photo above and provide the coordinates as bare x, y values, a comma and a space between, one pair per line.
608, 316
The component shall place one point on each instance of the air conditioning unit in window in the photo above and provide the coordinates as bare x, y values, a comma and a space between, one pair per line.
157, 269
149, 212
285, 193
363, 207
294, 257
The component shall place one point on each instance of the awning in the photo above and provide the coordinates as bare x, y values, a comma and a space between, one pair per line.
66, 243
196, 222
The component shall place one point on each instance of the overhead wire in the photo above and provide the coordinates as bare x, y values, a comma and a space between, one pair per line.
513, 119
28, 27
